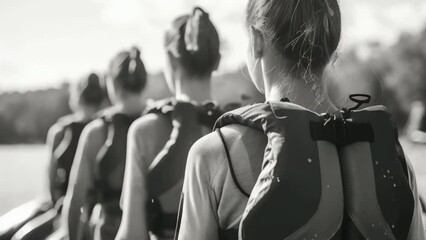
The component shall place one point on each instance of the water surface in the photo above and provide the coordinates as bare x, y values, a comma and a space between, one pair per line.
23, 174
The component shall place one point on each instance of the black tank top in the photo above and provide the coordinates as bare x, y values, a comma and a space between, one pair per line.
63, 157
111, 160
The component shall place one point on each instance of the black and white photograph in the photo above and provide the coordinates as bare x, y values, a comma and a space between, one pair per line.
212, 120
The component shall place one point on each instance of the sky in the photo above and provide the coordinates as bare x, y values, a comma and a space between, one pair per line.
44, 43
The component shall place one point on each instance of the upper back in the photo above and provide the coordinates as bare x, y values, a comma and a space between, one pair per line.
311, 164
157, 125
64, 148
111, 158
246, 148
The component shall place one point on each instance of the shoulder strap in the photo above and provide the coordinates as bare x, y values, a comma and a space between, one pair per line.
110, 122
209, 112
110, 132
71, 134
168, 167
231, 168
111, 158
64, 143
341, 133
290, 183
374, 178
162, 106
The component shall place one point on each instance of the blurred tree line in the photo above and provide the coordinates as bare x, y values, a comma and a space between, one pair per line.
395, 76
26, 117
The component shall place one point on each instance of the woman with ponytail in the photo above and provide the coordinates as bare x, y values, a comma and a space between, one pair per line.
296, 167
159, 142
86, 98
98, 169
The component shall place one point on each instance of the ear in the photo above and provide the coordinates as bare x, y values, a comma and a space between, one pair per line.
257, 42
216, 64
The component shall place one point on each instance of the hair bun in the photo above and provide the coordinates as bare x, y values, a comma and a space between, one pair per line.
128, 71
90, 90
194, 40
135, 53
93, 81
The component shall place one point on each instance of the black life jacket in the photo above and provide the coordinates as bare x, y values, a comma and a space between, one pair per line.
111, 161
168, 168
341, 176
63, 157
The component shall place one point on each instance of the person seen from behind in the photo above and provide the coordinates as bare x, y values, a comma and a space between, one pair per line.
296, 167
98, 169
85, 100
159, 142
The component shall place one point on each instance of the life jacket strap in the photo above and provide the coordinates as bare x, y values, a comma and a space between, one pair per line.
110, 157
228, 234
231, 168
341, 132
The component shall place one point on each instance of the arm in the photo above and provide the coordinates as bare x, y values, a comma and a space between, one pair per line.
81, 179
417, 227
146, 138
54, 137
134, 195
199, 218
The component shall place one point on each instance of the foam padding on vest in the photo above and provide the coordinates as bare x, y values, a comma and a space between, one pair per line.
291, 198
331, 203
111, 160
360, 191
168, 167
378, 195
38, 228
63, 158
167, 170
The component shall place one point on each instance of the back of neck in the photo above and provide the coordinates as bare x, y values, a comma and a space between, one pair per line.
195, 90
307, 95
130, 105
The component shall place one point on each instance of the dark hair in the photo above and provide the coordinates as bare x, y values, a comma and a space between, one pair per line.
305, 31
128, 71
90, 91
195, 41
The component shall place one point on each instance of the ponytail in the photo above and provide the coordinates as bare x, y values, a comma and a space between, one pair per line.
128, 71
193, 29
194, 41
90, 90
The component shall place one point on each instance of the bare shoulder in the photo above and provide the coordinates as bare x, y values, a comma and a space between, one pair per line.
149, 124
212, 144
55, 130
149, 134
155, 126
55, 135
94, 134
94, 128
208, 153
205, 158
59, 127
